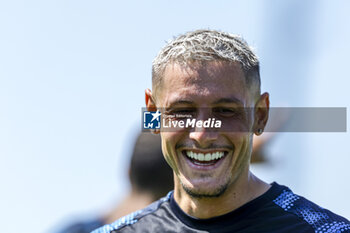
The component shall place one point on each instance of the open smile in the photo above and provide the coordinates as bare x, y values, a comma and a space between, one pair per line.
204, 160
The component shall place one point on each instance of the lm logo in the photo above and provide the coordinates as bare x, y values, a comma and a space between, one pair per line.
151, 120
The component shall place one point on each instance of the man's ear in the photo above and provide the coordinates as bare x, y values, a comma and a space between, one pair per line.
261, 113
150, 104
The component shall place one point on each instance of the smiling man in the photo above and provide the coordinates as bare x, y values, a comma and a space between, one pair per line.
213, 75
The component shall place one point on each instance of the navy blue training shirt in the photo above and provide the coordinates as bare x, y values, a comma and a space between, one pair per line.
277, 210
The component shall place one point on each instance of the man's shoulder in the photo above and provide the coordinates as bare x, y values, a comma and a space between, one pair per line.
319, 218
82, 226
278, 210
134, 217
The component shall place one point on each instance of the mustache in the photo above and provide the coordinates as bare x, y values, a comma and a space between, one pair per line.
195, 145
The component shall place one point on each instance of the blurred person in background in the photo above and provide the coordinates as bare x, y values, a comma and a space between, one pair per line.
150, 178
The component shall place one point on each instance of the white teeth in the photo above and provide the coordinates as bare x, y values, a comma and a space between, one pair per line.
205, 157
201, 157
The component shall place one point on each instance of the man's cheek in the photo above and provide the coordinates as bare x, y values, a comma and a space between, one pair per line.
234, 125
169, 155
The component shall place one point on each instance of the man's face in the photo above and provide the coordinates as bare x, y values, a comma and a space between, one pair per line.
211, 90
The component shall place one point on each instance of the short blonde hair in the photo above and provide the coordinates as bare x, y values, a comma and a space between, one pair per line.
207, 45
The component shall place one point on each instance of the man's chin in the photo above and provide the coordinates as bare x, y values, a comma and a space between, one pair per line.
202, 193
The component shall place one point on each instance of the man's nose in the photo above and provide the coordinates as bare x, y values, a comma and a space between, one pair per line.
204, 137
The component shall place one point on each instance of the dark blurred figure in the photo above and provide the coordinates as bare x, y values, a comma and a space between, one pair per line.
150, 176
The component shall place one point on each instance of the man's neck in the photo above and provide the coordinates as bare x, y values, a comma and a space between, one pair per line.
245, 189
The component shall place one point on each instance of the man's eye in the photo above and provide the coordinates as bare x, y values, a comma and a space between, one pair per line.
183, 111
227, 112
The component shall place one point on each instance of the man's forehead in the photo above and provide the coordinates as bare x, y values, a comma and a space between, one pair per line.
195, 87
177, 100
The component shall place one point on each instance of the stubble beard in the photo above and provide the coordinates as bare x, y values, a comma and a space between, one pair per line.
219, 191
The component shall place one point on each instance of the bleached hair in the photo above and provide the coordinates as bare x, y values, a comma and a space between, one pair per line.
207, 45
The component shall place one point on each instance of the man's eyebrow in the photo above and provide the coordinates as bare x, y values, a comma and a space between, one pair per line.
229, 101
179, 102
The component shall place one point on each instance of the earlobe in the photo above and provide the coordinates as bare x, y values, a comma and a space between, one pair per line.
261, 113
259, 131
